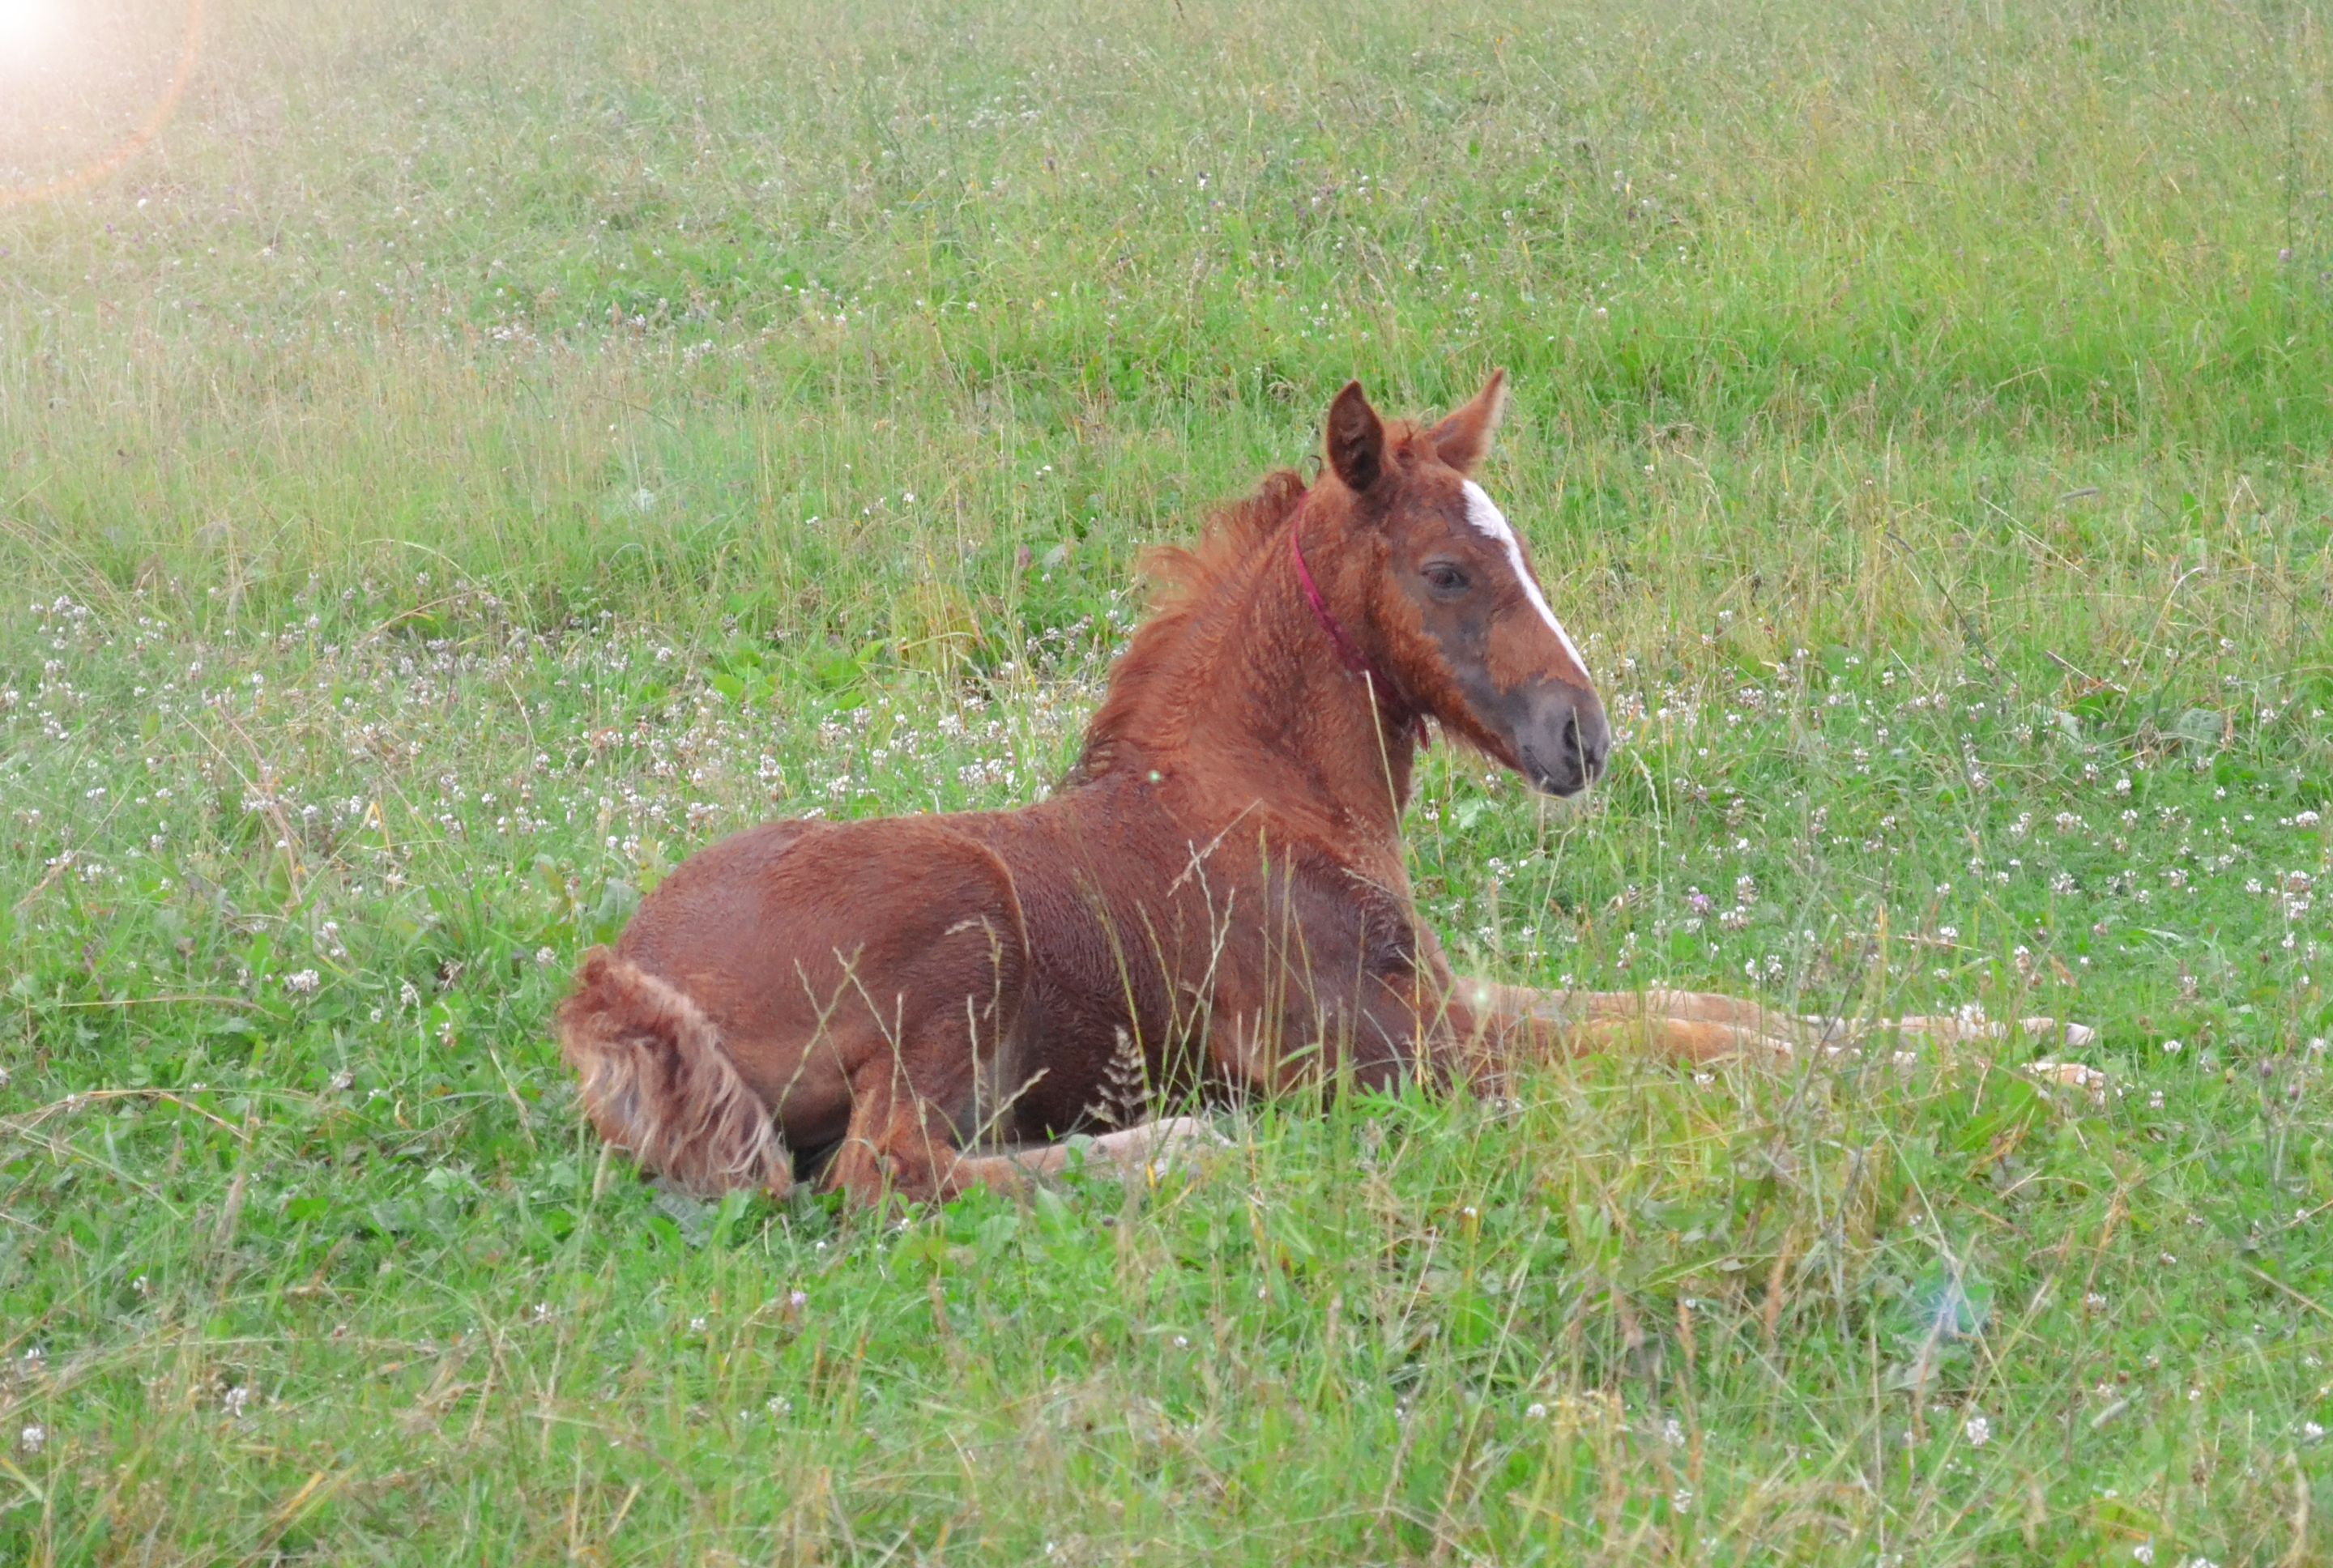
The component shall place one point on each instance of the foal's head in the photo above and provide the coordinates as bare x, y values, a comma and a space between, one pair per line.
1451, 604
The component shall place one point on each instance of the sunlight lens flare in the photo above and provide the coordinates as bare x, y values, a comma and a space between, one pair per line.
29, 31
30, 28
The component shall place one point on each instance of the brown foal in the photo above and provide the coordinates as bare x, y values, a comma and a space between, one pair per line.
1215, 905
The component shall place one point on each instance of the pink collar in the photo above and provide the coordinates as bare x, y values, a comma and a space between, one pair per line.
1388, 695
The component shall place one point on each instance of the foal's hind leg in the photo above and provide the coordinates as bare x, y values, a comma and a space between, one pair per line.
1149, 1147
897, 1141
922, 1082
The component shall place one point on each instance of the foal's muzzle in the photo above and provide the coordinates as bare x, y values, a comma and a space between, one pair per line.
1561, 735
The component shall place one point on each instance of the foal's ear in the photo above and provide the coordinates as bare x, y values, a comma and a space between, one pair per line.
1461, 440
1356, 439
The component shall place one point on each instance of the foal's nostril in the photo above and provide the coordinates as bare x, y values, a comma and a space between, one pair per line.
1564, 737
1591, 738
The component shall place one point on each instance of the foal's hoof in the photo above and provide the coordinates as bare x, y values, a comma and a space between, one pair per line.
2090, 1080
2039, 1030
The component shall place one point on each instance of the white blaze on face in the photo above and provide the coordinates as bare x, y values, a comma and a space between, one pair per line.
1484, 514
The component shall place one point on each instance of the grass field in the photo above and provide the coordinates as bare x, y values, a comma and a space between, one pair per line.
477, 454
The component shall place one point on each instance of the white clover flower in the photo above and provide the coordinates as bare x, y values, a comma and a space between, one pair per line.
303, 984
33, 1437
1978, 1430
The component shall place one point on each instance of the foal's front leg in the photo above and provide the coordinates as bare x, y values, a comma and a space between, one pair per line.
1517, 1023
1483, 1029
1810, 1031
1500, 1027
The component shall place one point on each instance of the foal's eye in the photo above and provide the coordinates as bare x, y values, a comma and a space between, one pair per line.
1445, 578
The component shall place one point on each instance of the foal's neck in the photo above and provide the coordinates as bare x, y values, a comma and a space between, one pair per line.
1277, 718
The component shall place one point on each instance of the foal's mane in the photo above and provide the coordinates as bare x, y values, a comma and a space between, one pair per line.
1183, 581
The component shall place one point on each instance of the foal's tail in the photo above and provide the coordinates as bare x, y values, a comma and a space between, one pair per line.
658, 1082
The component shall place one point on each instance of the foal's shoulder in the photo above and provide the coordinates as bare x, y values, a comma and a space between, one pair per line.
1337, 889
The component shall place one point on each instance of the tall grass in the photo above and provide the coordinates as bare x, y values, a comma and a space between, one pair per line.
478, 453
471, 282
